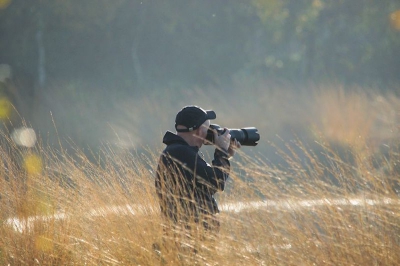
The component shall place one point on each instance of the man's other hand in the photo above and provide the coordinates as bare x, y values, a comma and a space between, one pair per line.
222, 141
234, 145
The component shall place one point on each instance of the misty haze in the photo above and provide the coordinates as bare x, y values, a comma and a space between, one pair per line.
89, 87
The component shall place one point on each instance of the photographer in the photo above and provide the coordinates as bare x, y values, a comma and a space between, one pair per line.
185, 183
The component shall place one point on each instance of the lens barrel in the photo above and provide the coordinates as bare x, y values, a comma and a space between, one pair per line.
247, 136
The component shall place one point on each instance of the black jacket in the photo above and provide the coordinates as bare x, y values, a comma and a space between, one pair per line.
185, 183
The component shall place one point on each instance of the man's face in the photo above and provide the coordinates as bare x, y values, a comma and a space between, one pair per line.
203, 129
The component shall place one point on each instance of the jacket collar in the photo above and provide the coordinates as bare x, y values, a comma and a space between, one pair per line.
170, 138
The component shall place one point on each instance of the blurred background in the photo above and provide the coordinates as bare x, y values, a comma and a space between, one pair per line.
100, 72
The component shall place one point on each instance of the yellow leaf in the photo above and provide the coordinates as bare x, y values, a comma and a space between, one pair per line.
4, 4
395, 19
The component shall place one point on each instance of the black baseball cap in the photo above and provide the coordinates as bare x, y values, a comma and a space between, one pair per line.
192, 117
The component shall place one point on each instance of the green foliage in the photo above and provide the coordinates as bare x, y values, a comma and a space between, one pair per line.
142, 44
314, 39
83, 15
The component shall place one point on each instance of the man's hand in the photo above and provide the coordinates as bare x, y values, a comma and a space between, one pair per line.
234, 145
222, 141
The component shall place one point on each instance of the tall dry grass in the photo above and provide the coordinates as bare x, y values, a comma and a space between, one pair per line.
330, 199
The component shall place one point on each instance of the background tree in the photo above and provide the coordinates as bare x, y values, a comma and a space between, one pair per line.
95, 52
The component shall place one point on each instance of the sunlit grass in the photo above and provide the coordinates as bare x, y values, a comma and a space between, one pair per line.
328, 198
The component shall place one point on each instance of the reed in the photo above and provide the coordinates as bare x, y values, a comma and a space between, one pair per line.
330, 201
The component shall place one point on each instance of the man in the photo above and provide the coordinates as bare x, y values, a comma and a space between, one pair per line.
185, 183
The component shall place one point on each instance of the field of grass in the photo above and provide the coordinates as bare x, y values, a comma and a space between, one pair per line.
321, 188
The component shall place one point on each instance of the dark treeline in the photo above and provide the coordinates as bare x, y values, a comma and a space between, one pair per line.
139, 44
65, 54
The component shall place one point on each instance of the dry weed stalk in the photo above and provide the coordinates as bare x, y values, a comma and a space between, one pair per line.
319, 207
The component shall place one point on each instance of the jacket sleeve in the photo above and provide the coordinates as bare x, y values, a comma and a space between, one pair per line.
210, 177
214, 176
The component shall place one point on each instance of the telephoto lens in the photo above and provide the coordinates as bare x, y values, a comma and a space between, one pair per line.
247, 136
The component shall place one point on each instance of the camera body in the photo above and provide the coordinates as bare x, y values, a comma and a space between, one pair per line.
247, 136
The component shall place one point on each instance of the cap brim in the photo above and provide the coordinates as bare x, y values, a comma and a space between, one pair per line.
211, 114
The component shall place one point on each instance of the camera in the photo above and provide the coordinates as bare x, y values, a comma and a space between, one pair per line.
247, 136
